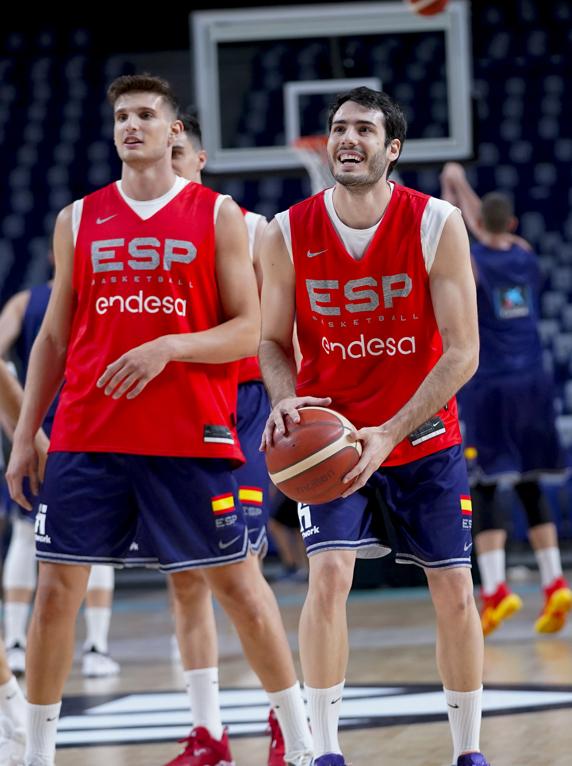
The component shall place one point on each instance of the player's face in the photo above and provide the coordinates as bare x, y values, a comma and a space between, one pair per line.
144, 128
186, 160
357, 154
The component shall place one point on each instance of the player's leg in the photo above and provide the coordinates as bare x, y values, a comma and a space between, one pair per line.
96, 662
543, 538
323, 623
51, 637
248, 600
12, 714
498, 601
19, 583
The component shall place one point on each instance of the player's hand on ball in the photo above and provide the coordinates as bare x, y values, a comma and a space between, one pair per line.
288, 408
133, 370
377, 445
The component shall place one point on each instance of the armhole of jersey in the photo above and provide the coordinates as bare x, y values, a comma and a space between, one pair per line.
218, 202
432, 222
283, 220
77, 210
252, 220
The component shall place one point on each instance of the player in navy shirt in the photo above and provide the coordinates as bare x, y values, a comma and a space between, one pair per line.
508, 406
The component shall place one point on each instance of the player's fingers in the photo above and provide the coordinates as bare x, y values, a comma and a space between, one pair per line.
317, 401
137, 390
16, 492
354, 436
291, 411
278, 422
110, 370
127, 383
360, 466
34, 479
116, 380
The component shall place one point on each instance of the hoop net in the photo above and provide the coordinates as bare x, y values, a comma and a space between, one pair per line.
311, 150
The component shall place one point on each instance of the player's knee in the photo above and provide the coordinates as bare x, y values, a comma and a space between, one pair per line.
56, 599
451, 592
330, 579
188, 588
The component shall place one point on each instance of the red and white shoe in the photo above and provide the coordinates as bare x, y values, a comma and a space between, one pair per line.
277, 749
499, 606
557, 604
201, 749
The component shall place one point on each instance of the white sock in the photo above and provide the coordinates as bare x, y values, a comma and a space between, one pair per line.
549, 565
492, 569
13, 703
202, 687
324, 708
464, 709
288, 705
15, 622
97, 619
41, 733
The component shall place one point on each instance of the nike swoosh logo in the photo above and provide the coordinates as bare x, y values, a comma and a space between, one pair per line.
222, 545
466, 547
333, 702
11, 697
55, 718
313, 255
104, 220
455, 707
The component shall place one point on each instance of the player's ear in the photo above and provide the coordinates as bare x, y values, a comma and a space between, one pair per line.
394, 149
512, 223
202, 157
176, 129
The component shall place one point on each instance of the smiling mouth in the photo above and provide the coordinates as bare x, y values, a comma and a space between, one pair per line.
350, 158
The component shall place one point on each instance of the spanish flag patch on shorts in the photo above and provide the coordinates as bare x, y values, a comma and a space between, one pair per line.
466, 505
223, 504
251, 495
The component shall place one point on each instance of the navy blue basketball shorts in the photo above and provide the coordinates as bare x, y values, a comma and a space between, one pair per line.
253, 483
510, 429
421, 510
93, 504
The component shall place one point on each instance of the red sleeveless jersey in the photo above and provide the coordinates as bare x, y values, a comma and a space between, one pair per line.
135, 280
249, 368
366, 328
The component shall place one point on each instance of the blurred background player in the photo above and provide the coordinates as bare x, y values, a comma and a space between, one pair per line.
508, 406
20, 322
12, 700
191, 595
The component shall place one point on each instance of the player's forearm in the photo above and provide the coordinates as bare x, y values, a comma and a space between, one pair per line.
232, 340
278, 367
44, 378
451, 372
10, 400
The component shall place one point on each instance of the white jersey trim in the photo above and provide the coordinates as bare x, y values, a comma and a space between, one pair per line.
252, 220
283, 220
435, 215
218, 202
77, 210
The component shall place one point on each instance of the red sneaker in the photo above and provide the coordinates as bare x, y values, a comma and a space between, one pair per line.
203, 750
499, 606
277, 750
557, 604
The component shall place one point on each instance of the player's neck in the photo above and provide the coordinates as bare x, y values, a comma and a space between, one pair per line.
145, 182
361, 208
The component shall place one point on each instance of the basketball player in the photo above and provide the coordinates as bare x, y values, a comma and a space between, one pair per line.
12, 700
191, 595
20, 322
379, 279
153, 295
508, 406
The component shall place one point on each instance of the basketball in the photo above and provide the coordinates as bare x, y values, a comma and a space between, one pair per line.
309, 462
427, 7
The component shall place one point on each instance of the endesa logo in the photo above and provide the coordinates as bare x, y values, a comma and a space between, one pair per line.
361, 348
141, 304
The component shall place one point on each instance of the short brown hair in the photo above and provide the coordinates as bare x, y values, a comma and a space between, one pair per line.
142, 83
496, 212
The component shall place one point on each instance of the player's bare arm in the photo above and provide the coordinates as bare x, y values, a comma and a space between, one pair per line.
236, 337
454, 302
276, 353
261, 227
11, 320
46, 366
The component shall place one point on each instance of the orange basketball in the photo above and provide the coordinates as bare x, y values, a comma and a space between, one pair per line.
309, 462
427, 7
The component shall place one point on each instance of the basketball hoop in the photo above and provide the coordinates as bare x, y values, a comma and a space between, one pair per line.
311, 151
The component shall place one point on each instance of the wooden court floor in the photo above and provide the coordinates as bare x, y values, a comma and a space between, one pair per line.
394, 708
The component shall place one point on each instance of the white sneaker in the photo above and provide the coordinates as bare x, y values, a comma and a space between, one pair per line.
12, 742
96, 664
16, 657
